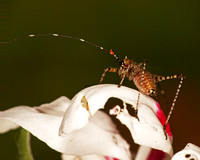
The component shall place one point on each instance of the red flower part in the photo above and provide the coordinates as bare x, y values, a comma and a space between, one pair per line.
158, 154
161, 116
110, 158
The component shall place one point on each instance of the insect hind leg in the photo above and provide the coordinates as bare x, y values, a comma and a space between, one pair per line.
161, 78
108, 70
175, 98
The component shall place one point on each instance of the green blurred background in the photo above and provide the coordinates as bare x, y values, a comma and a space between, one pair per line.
39, 70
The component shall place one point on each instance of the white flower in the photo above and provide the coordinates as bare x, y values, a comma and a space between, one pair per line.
87, 157
91, 131
190, 152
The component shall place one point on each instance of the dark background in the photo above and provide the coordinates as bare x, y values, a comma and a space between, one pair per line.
39, 70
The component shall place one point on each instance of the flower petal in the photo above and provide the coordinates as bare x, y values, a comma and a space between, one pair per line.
147, 153
43, 126
56, 108
94, 138
161, 116
88, 157
99, 136
76, 116
147, 131
190, 152
7, 125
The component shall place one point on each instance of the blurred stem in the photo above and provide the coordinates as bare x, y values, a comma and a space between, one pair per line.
22, 139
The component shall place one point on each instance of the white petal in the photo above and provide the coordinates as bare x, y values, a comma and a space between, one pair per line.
99, 136
148, 131
56, 108
142, 153
190, 152
76, 116
88, 157
79, 128
43, 126
7, 125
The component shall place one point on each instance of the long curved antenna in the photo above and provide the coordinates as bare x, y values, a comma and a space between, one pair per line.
63, 36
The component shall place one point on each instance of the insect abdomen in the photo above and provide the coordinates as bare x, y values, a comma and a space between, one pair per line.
148, 85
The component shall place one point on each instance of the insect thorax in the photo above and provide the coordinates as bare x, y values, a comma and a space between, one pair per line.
129, 68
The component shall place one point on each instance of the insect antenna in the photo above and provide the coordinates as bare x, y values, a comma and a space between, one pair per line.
62, 36
115, 56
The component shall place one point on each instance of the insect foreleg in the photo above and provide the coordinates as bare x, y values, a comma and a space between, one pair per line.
123, 76
108, 70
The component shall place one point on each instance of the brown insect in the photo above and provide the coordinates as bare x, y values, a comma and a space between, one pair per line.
143, 80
